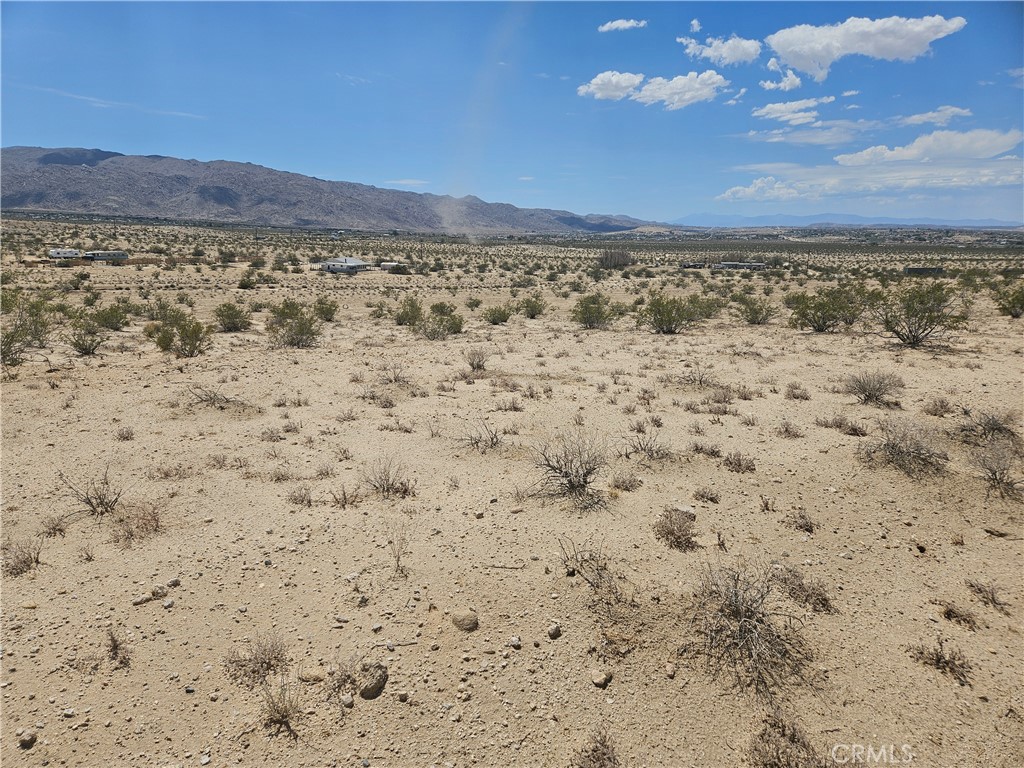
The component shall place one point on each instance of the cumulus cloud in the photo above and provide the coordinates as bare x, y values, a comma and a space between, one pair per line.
800, 112
682, 90
764, 188
736, 99
622, 24
848, 94
611, 85
788, 82
814, 49
735, 50
940, 116
695, 25
980, 144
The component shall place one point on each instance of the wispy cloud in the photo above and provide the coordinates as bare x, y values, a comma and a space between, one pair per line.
1017, 75
526, 178
109, 104
735, 50
407, 182
814, 49
940, 116
799, 112
620, 25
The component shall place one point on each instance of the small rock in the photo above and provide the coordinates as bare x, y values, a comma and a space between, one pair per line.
467, 621
515, 642
204, 760
158, 591
267, 561
142, 599
29, 605
347, 701
847, 555
372, 679
403, 696
376, 628
27, 739
174, 583
478, 515
311, 676
670, 671
555, 631
69, 712
243, 608
600, 678
169, 602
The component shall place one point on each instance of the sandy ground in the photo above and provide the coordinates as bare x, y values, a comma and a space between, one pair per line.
253, 559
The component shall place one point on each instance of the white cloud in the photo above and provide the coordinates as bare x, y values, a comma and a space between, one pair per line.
939, 146
764, 188
824, 133
1018, 76
622, 24
526, 178
940, 116
681, 91
848, 94
800, 112
611, 85
695, 25
787, 83
813, 49
735, 50
736, 99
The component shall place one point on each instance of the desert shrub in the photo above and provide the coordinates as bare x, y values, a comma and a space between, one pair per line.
598, 752
989, 594
614, 258
949, 661
570, 465
711, 450
484, 437
648, 444
193, 338
134, 523
738, 462
741, 631
709, 495
873, 388
674, 528
265, 656
670, 314
118, 652
114, 317
843, 424
388, 478
232, 318
938, 406
920, 313
824, 311
789, 430
783, 744
282, 704
594, 311
26, 325
979, 427
753, 310
325, 309
1009, 299
100, 497
532, 306
85, 336
441, 322
293, 325
20, 555
497, 315
907, 446
473, 303
796, 391
995, 460
409, 312
626, 481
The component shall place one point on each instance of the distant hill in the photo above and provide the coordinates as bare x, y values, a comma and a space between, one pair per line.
835, 219
93, 181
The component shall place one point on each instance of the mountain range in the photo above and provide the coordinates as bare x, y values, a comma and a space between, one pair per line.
94, 181
833, 219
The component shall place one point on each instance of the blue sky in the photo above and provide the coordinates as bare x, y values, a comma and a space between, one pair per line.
655, 110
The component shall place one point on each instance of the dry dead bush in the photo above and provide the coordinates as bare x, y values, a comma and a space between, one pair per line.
626, 481
484, 437
266, 655
282, 705
950, 661
909, 447
570, 465
476, 357
995, 460
52, 526
873, 388
938, 406
301, 496
980, 427
783, 744
711, 450
796, 391
345, 498
648, 444
674, 527
801, 521
738, 462
398, 544
118, 652
989, 595
789, 430
741, 632
100, 497
388, 478
843, 424
709, 495
808, 593
21, 555
135, 523
598, 752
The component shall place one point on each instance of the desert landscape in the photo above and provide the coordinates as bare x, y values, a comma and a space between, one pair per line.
524, 501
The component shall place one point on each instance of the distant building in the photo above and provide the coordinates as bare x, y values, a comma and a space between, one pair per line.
924, 270
65, 253
388, 266
107, 256
740, 265
346, 265
692, 265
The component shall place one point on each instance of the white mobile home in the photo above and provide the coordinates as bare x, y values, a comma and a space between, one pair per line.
65, 253
346, 265
108, 256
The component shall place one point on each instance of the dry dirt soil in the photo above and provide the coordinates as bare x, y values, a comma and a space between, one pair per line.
255, 466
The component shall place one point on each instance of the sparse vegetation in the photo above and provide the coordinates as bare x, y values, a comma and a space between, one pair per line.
570, 465
909, 447
949, 661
